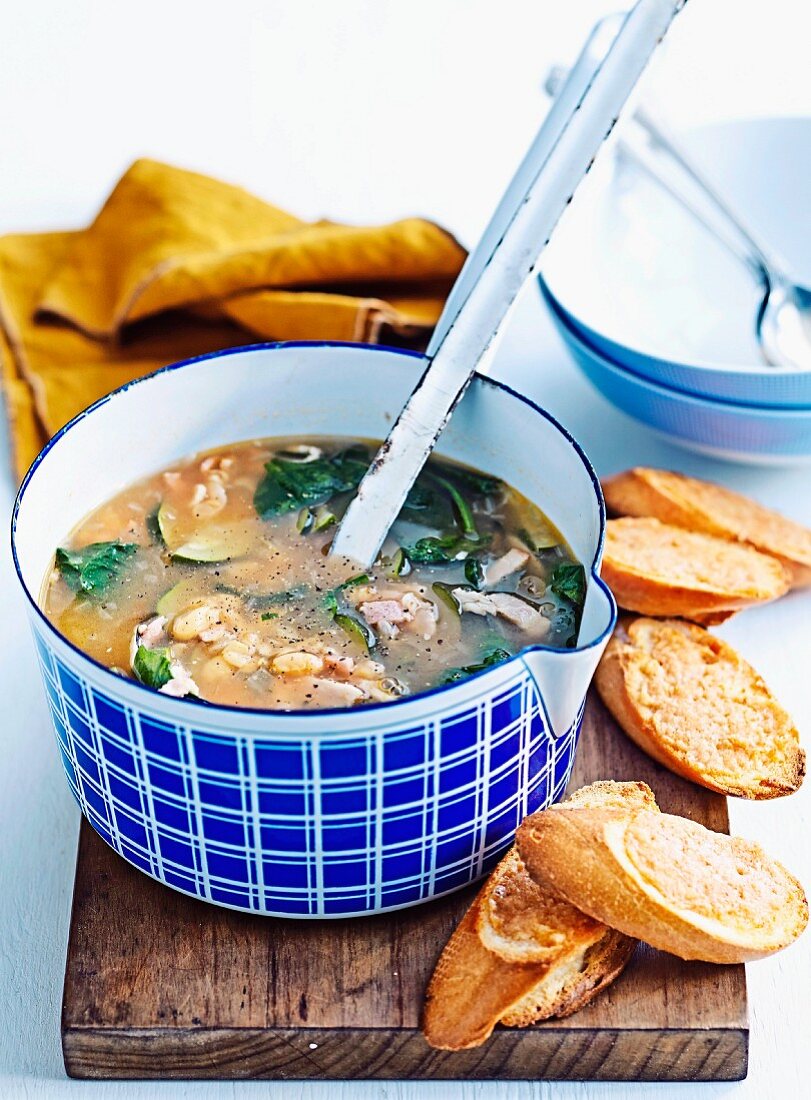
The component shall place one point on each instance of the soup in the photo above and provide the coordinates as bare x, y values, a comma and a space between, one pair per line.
213, 579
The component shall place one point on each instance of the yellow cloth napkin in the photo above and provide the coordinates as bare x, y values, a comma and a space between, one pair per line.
177, 264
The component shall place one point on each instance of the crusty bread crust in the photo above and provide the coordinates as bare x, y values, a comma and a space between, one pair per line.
667, 881
665, 571
472, 988
572, 983
522, 953
714, 510
630, 794
714, 618
693, 704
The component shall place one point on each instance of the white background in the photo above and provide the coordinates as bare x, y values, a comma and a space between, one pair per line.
364, 110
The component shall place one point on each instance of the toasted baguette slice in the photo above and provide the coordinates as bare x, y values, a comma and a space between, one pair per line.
471, 989
689, 700
513, 918
665, 571
521, 953
667, 881
711, 509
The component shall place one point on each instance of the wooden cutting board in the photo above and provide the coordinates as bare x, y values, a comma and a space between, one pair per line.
162, 986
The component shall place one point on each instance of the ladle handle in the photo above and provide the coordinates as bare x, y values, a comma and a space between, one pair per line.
538, 194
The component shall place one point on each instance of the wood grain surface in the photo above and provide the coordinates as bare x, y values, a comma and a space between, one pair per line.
159, 985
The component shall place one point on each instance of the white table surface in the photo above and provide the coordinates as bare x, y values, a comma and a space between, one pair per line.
364, 110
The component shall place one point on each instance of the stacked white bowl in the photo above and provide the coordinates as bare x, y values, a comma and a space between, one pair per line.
661, 318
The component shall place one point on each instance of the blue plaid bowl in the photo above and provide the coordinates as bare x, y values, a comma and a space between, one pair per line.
325, 813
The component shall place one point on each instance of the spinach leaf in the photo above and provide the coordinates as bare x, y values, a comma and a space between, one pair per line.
439, 550
151, 666
419, 497
482, 485
440, 507
569, 583
427, 507
290, 486
492, 657
91, 570
351, 465
474, 573
433, 550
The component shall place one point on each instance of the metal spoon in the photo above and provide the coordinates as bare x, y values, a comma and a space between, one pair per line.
504, 259
783, 318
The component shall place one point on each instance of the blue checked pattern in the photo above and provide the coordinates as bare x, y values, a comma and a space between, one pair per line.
313, 826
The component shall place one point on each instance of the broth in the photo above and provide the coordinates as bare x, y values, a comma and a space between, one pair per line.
212, 578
